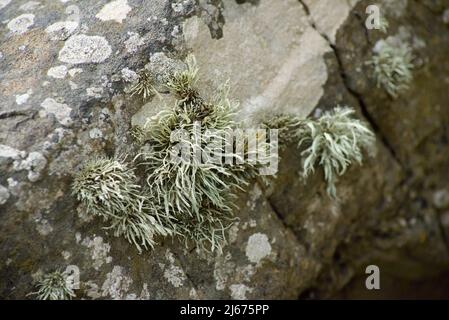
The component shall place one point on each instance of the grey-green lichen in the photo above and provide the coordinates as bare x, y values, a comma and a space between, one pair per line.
195, 193
333, 142
392, 67
182, 83
54, 286
189, 192
285, 124
191, 196
108, 188
144, 86
383, 24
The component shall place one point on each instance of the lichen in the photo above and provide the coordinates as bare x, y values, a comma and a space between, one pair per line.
182, 83
54, 286
195, 195
144, 86
392, 66
258, 247
192, 198
333, 142
107, 187
285, 124
85, 49
383, 24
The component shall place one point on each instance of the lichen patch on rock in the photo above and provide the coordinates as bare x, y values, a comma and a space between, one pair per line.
99, 251
117, 284
22, 23
58, 72
258, 247
60, 110
85, 49
61, 30
116, 10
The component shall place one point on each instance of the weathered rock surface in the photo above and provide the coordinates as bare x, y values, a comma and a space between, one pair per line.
63, 69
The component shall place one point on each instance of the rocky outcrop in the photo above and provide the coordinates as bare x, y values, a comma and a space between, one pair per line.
64, 69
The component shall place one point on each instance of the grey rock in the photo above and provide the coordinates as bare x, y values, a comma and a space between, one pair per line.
64, 69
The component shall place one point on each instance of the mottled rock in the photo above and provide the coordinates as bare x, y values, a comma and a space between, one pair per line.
64, 70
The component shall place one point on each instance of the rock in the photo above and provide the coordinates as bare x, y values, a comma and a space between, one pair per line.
284, 63
65, 68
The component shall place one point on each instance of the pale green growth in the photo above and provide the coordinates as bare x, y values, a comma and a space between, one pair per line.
189, 196
393, 67
144, 87
138, 134
107, 188
383, 24
333, 142
139, 229
197, 196
54, 286
285, 124
182, 83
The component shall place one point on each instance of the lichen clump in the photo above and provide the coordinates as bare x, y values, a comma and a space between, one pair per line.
285, 124
182, 83
194, 159
196, 191
108, 189
333, 142
192, 195
54, 286
393, 65
144, 86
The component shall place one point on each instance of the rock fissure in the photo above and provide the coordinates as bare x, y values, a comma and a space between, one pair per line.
354, 93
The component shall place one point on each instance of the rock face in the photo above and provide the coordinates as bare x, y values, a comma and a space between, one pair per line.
64, 66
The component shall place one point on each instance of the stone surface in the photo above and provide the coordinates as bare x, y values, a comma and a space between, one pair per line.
64, 68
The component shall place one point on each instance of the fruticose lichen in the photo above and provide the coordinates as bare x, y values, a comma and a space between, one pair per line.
144, 86
393, 65
191, 196
285, 124
182, 83
187, 190
108, 188
54, 286
195, 194
333, 142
